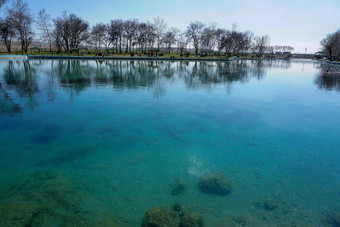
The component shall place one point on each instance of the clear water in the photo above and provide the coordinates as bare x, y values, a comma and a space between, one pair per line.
101, 142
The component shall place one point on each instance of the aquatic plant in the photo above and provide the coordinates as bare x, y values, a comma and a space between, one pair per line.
49, 199
191, 220
160, 217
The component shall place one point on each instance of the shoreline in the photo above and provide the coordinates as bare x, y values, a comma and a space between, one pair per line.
28, 57
111, 58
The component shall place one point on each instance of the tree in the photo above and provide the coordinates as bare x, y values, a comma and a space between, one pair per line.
2, 2
70, 31
170, 37
57, 34
21, 17
219, 34
142, 37
130, 33
45, 27
151, 34
182, 42
160, 26
116, 33
331, 43
7, 33
208, 37
261, 43
194, 33
98, 34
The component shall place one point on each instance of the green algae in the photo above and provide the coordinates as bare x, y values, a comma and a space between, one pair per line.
193, 219
160, 217
49, 199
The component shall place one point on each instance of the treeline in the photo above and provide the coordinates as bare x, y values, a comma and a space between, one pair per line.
331, 45
68, 33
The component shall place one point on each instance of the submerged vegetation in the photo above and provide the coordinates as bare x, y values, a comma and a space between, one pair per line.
160, 216
49, 198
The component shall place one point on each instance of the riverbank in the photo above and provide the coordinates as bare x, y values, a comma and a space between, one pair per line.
112, 58
133, 58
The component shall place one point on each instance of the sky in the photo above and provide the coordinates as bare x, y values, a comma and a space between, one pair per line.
298, 23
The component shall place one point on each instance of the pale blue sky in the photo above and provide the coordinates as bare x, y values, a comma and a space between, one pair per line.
299, 23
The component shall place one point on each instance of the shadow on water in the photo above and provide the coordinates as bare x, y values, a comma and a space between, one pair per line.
328, 77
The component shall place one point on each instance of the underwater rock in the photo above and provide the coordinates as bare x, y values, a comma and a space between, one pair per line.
215, 183
270, 205
178, 188
160, 217
333, 219
191, 220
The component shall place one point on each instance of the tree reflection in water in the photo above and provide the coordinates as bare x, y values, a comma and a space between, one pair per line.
328, 78
28, 78
20, 77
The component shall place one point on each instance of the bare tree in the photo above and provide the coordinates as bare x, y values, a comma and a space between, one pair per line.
331, 43
70, 31
142, 37
57, 34
7, 33
160, 26
21, 17
151, 34
170, 37
130, 33
182, 42
219, 34
208, 37
45, 27
2, 2
194, 33
261, 43
98, 34
116, 33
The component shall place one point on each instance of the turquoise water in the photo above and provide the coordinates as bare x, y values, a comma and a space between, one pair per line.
101, 142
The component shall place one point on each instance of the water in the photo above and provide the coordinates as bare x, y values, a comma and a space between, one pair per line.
101, 142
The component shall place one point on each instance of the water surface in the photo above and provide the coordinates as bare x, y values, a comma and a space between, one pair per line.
101, 142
